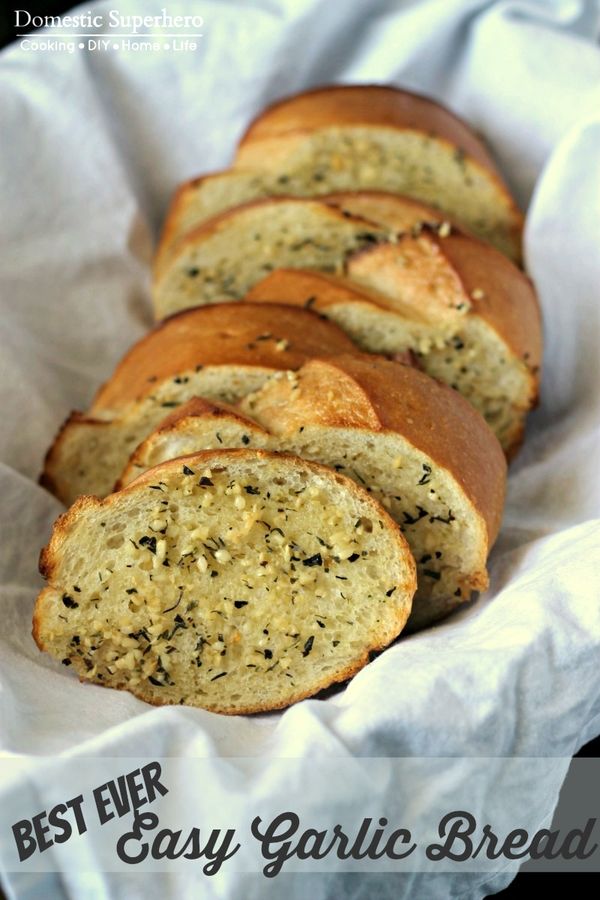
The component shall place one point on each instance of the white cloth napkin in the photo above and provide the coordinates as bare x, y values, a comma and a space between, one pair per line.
92, 144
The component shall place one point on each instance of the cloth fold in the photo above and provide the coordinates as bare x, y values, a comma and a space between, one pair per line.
93, 144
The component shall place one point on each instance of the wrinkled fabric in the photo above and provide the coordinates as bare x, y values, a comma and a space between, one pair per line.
92, 146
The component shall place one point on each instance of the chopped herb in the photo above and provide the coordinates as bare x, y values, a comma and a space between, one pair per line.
240, 603
69, 602
410, 520
251, 490
353, 557
205, 482
188, 471
447, 521
220, 675
66, 661
175, 605
316, 560
426, 477
390, 592
431, 574
245, 439
308, 645
193, 272
268, 654
149, 542
131, 591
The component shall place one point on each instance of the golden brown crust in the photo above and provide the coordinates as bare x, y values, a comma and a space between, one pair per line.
213, 459
497, 291
381, 395
54, 451
372, 104
220, 334
176, 421
309, 289
180, 199
198, 406
49, 553
292, 118
392, 210
509, 302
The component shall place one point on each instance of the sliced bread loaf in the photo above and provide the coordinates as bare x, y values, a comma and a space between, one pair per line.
200, 199
226, 256
215, 582
421, 449
221, 352
373, 136
369, 139
467, 313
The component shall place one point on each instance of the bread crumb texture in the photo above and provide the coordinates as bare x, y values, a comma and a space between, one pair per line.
441, 480
237, 581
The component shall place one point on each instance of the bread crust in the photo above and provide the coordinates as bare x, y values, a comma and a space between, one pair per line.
509, 303
177, 205
402, 212
196, 407
371, 392
54, 451
413, 209
496, 290
216, 335
375, 105
366, 104
223, 219
49, 561
366, 391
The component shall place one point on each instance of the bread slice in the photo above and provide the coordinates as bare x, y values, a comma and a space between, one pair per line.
373, 136
469, 316
202, 198
225, 256
223, 581
355, 139
416, 445
221, 352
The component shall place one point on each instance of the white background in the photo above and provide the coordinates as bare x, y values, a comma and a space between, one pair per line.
91, 146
